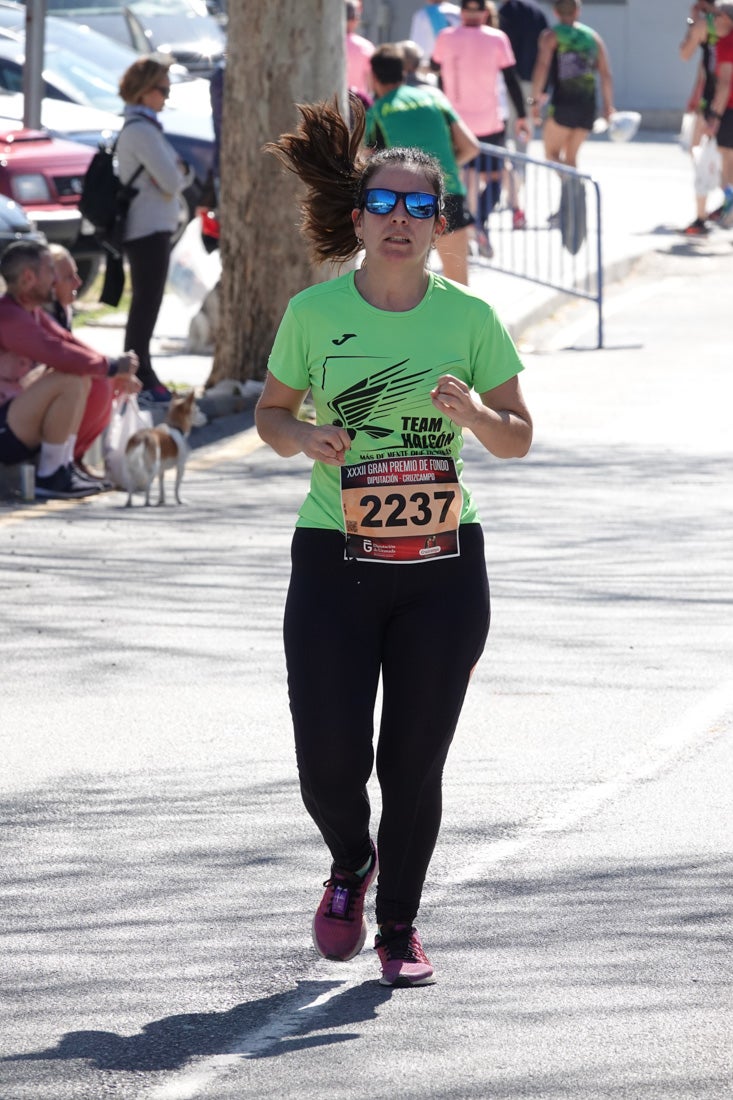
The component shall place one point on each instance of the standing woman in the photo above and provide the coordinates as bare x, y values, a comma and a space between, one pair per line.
388, 572
155, 209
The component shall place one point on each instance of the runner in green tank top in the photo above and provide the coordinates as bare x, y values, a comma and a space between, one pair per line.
572, 57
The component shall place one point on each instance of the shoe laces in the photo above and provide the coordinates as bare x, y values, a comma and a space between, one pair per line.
345, 890
404, 945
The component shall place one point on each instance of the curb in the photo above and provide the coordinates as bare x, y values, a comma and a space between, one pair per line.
226, 415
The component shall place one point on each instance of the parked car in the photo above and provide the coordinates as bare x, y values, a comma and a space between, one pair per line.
65, 120
83, 68
15, 224
44, 175
182, 28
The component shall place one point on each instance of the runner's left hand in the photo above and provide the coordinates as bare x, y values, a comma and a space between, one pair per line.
454, 399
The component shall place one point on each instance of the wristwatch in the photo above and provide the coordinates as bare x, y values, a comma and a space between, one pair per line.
531, 101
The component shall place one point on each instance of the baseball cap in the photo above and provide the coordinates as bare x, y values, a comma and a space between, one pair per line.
724, 9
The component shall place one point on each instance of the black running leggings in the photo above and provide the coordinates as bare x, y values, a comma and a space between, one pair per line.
423, 627
148, 258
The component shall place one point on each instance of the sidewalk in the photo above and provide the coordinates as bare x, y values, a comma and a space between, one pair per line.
646, 195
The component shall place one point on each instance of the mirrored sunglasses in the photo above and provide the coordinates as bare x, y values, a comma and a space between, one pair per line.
418, 204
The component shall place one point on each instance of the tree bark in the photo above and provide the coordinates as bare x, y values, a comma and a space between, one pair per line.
276, 57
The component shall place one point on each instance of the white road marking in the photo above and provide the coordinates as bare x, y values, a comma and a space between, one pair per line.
707, 719
702, 722
189, 1084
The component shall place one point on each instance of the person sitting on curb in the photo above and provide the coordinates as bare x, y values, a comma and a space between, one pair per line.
46, 376
98, 408
65, 288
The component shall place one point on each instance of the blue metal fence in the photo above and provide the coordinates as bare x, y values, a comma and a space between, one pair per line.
545, 228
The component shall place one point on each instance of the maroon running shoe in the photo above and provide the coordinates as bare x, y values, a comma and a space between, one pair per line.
339, 926
404, 962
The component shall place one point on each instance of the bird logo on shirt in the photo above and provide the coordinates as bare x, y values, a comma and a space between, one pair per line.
360, 407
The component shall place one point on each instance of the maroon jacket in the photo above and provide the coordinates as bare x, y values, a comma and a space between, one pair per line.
30, 341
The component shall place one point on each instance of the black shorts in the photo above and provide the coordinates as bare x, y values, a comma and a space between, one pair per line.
574, 114
457, 214
485, 162
12, 449
725, 130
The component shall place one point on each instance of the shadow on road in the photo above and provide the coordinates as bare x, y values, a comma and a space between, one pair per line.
167, 1044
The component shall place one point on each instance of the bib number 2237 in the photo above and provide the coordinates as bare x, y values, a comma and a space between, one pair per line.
402, 509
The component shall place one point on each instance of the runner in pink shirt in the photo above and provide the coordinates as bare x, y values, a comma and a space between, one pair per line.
471, 58
358, 52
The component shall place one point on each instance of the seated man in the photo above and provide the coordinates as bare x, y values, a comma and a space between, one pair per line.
65, 288
46, 376
98, 409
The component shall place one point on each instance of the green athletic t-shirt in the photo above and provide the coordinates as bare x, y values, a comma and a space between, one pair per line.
416, 118
371, 371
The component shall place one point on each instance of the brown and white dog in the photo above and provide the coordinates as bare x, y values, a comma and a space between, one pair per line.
152, 451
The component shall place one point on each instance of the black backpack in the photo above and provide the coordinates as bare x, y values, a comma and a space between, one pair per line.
105, 199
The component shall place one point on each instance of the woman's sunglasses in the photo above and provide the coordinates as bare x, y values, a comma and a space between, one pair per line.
418, 204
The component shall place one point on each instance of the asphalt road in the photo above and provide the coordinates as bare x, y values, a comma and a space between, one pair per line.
158, 873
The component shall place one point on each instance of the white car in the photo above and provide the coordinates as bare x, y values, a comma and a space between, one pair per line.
182, 28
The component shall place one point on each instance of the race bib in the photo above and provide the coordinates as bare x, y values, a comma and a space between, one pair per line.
403, 510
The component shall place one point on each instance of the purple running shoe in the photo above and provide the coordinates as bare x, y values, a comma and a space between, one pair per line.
404, 962
339, 926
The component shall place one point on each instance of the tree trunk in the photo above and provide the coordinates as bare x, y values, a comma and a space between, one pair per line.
276, 57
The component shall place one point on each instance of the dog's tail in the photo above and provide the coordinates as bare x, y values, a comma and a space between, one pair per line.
142, 461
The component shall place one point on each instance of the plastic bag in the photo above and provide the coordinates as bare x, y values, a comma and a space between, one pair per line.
127, 418
707, 160
193, 271
687, 130
623, 125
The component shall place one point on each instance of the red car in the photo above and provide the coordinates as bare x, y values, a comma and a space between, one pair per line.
44, 174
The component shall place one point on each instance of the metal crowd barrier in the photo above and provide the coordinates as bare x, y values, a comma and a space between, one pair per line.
557, 241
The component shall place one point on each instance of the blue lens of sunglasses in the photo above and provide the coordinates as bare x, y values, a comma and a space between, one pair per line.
418, 204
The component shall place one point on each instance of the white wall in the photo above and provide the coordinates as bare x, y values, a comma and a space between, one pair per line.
642, 37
